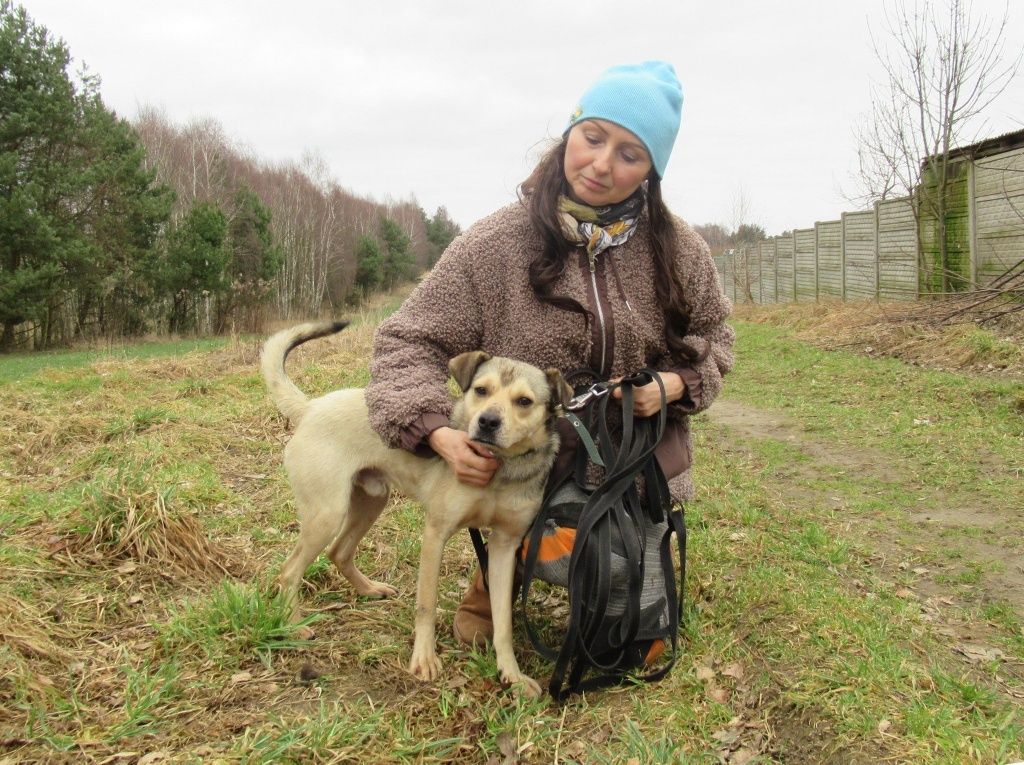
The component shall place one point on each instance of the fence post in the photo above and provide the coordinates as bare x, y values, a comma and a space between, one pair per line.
878, 255
842, 257
760, 275
972, 223
793, 237
817, 293
775, 242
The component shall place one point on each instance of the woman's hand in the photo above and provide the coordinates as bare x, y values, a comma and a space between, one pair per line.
647, 398
471, 463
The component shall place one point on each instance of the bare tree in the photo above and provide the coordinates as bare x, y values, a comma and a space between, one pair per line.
944, 64
715, 235
316, 222
742, 274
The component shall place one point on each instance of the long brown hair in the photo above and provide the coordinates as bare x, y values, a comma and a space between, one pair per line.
540, 193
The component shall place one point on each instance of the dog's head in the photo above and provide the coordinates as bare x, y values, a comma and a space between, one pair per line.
508, 405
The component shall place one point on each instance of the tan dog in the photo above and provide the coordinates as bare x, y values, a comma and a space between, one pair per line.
341, 474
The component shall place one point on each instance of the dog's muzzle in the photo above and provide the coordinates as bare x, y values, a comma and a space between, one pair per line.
488, 424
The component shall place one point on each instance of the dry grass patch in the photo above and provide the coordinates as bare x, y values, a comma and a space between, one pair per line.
124, 516
30, 634
892, 329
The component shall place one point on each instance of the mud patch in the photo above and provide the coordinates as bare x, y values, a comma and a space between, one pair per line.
943, 522
751, 422
799, 734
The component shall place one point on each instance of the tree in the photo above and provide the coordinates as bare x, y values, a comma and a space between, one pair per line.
944, 65
744, 235
254, 260
398, 258
441, 230
369, 265
118, 211
747, 233
195, 264
715, 235
37, 125
78, 210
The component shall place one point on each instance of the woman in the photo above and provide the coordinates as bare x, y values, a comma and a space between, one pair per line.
587, 269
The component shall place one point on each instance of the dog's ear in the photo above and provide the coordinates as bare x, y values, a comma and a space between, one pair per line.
560, 390
463, 367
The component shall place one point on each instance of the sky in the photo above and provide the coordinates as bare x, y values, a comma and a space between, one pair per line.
451, 101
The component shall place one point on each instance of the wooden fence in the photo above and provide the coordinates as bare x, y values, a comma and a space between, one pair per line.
862, 255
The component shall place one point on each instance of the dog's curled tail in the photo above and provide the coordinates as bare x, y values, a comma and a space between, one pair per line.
286, 396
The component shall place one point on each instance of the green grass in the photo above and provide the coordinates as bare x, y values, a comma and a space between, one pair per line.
854, 657
147, 693
985, 342
235, 621
952, 430
802, 643
335, 729
20, 366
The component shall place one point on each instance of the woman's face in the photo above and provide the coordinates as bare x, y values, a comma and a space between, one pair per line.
604, 163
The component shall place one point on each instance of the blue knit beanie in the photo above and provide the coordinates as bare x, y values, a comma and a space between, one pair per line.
646, 99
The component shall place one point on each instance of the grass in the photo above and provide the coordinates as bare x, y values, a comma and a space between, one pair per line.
232, 623
955, 430
146, 694
21, 366
143, 513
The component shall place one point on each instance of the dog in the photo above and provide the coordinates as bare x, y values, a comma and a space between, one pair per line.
341, 474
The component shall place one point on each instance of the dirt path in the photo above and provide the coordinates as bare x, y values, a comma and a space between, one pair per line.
1004, 568
940, 584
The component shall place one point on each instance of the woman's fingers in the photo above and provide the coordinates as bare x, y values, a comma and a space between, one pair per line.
471, 463
647, 398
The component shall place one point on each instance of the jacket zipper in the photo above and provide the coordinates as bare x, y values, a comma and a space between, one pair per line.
600, 311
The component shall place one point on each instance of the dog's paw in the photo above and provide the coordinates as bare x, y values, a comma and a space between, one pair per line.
425, 665
377, 590
522, 684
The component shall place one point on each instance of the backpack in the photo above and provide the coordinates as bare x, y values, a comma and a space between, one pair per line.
610, 545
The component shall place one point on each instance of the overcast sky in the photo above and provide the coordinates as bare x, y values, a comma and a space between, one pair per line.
448, 101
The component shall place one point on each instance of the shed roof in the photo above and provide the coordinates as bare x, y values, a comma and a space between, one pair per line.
990, 146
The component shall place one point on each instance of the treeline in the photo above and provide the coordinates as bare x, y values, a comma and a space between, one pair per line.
334, 246
720, 239
110, 228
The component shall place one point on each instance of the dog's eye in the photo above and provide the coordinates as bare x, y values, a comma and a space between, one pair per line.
524, 401
480, 390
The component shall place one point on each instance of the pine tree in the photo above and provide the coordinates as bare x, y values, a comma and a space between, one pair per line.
79, 213
120, 214
441, 230
369, 265
254, 258
38, 121
195, 264
399, 260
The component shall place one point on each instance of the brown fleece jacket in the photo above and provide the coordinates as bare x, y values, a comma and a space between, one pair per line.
478, 297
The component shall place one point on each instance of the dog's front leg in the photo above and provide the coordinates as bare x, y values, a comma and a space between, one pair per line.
424, 663
500, 572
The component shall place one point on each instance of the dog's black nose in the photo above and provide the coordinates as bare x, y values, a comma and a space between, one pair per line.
488, 421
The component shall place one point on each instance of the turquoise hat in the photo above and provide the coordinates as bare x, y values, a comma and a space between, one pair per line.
646, 99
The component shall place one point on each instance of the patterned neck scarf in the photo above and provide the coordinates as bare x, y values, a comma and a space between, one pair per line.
600, 227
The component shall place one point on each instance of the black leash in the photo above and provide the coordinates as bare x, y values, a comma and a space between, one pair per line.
612, 509
481, 553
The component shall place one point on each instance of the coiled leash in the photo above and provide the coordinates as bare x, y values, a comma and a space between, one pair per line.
615, 529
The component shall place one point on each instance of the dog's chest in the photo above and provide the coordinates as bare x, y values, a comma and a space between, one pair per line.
503, 508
